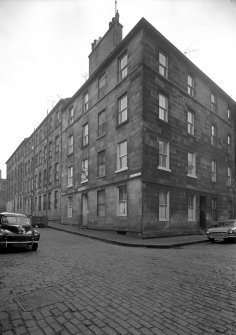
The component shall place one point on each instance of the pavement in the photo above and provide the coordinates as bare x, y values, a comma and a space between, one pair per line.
126, 240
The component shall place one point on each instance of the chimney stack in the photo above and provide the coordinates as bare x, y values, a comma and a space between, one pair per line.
102, 47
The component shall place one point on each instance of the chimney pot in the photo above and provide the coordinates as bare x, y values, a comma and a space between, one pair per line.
117, 16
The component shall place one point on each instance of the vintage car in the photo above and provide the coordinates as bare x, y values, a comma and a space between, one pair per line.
224, 230
16, 229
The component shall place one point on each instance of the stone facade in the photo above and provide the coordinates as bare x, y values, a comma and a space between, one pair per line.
146, 145
181, 141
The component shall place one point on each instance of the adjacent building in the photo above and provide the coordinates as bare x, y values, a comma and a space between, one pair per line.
34, 170
145, 146
3, 193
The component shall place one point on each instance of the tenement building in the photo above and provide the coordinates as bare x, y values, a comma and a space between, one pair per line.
145, 146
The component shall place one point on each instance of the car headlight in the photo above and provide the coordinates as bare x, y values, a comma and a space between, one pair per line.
2, 232
208, 232
231, 231
36, 232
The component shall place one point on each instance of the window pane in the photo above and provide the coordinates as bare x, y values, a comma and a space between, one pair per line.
163, 206
163, 154
191, 207
122, 155
163, 147
162, 101
190, 117
162, 59
123, 61
122, 210
123, 67
163, 107
163, 198
123, 102
85, 102
123, 109
190, 81
101, 163
85, 134
162, 64
101, 123
191, 164
124, 161
123, 148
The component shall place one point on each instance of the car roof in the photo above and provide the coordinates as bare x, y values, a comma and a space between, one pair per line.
12, 214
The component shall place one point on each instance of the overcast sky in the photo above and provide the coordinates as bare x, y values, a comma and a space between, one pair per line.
44, 48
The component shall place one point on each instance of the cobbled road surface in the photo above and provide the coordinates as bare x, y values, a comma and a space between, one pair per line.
76, 285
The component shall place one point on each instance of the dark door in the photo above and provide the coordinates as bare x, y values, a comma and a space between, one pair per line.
202, 212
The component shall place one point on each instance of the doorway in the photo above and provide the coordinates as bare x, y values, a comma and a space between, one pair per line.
84, 209
202, 212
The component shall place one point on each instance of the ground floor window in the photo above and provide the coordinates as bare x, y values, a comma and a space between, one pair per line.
163, 206
70, 207
191, 208
122, 204
101, 203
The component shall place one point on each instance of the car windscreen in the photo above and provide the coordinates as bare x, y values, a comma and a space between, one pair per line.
20, 220
227, 224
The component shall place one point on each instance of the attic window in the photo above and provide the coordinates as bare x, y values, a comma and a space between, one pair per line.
101, 86
163, 61
123, 67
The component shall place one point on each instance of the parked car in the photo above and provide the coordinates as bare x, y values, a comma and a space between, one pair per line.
16, 229
223, 231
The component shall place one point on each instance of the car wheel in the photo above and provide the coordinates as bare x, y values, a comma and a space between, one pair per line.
212, 240
34, 246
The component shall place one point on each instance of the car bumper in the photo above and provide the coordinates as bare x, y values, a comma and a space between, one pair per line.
18, 240
221, 236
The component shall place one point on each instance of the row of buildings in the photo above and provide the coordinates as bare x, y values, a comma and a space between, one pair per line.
145, 146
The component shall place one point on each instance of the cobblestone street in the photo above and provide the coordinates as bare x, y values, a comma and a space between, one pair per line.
75, 285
